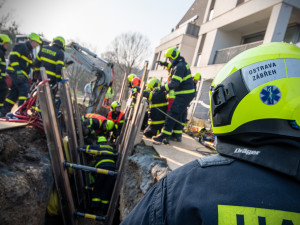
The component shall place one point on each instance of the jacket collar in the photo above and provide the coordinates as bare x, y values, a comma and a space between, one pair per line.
278, 153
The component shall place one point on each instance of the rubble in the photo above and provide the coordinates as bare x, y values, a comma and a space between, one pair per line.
144, 169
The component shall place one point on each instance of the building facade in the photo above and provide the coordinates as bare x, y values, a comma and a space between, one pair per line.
225, 29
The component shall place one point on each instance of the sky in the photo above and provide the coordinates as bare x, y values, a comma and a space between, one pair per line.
95, 23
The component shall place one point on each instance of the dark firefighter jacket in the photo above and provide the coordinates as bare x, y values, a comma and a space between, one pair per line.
20, 59
2, 62
157, 100
221, 190
102, 159
182, 80
52, 58
96, 121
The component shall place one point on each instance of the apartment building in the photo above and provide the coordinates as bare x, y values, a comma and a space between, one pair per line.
224, 29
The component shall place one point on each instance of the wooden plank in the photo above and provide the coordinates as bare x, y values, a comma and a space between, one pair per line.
68, 115
78, 130
56, 153
127, 147
10, 125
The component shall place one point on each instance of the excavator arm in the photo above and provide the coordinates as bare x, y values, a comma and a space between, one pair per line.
77, 56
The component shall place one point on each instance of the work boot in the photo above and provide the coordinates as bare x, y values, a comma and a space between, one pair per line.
161, 139
176, 138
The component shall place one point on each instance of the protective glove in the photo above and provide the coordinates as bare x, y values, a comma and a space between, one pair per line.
161, 63
159, 90
134, 91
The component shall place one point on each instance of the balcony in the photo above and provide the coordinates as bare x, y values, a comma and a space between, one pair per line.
225, 54
190, 29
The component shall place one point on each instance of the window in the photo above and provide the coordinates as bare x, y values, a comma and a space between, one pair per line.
154, 61
211, 10
239, 2
200, 49
292, 34
253, 37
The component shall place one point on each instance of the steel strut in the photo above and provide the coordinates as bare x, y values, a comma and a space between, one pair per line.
90, 169
96, 152
90, 216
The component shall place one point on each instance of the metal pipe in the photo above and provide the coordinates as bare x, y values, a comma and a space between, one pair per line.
90, 169
90, 216
96, 152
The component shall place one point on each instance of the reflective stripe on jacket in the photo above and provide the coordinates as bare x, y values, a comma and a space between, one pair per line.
182, 80
219, 190
20, 59
52, 58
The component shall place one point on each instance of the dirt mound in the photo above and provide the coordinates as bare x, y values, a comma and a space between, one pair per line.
25, 176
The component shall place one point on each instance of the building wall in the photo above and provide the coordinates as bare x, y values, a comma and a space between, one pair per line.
231, 22
198, 8
223, 7
187, 48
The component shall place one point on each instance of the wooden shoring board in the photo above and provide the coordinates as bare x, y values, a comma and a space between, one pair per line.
4, 124
127, 147
124, 83
66, 103
78, 130
55, 148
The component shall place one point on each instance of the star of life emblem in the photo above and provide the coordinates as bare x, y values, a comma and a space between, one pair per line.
270, 95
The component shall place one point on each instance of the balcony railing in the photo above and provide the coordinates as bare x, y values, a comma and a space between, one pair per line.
189, 28
225, 54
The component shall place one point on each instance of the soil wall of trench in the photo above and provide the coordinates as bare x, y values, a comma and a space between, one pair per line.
26, 178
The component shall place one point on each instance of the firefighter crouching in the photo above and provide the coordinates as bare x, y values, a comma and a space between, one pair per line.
102, 184
20, 62
158, 104
94, 125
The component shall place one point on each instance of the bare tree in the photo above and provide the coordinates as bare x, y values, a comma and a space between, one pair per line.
128, 52
11, 26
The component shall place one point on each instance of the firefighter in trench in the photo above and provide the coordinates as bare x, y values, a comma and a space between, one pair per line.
102, 184
94, 125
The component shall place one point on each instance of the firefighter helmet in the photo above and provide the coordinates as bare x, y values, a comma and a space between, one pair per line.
172, 53
4, 38
35, 37
130, 77
136, 81
114, 105
197, 76
101, 139
109, 125
153, 83
258, 91
59, 41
